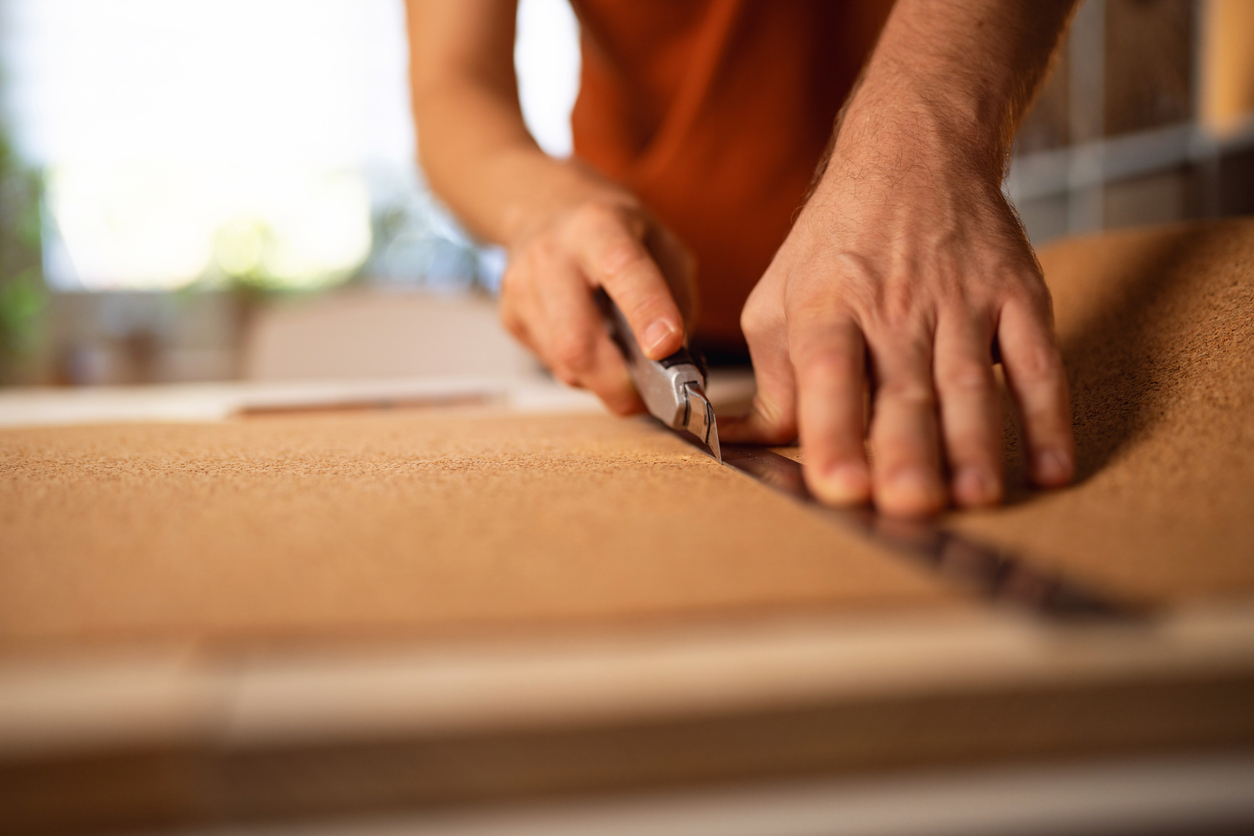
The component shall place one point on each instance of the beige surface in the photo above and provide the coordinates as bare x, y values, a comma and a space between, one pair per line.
403, 524
362, 334
1157, 329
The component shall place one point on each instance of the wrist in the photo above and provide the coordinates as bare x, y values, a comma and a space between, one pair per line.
900, 122
950, 79
553, 188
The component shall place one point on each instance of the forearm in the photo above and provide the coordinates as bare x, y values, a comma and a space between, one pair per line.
473, 143
955, 75
481, 161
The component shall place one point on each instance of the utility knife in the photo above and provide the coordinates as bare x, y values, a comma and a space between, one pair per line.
672, 388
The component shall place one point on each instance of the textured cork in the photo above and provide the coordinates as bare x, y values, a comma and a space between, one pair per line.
469, 522
404, 525
1157, 329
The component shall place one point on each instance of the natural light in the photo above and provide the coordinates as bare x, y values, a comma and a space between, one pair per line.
190, 141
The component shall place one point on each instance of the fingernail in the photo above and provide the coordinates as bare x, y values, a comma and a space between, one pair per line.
1053, 467
911, 491
844, 484
975, 485
656, 334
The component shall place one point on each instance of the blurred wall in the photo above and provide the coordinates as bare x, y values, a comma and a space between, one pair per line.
1146, 118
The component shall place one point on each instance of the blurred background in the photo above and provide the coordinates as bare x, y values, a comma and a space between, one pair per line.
197, 190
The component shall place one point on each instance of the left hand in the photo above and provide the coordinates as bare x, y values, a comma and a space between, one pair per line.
904, 277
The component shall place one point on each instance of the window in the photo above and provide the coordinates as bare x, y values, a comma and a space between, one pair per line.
194, 141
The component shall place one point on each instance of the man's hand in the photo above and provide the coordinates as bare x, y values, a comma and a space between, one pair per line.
568, 230
546, 295
904, 277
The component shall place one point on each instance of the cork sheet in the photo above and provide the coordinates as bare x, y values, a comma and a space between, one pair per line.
402, 524
1157, 330
452, 521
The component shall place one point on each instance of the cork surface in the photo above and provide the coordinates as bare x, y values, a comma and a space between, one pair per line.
1157, 329
453, 522
403, 524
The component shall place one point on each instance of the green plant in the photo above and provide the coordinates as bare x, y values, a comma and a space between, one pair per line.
23, 295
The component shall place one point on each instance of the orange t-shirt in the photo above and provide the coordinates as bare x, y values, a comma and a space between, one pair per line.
715, 113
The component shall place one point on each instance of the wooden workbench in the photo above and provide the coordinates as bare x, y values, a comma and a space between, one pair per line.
302, 614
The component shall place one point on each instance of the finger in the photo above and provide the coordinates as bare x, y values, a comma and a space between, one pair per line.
905, 439
773, 417
578, 349
970, 409
611, 381
679, 268
519, 308
613, 257
1038, 383
515, 322
830, 364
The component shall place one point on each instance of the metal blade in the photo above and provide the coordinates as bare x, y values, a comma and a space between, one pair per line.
993, 572
699, 420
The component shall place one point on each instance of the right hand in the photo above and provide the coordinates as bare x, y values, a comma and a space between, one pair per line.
556, 264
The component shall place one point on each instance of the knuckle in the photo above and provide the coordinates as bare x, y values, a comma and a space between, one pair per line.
509, 314
616, 233
543, 250
510, 279
1034, 283
897, 304
573, 353
602, 216
524, 267
596, 213
619, 257
908, 392
1038, 297
511, 321
829, 366
1033, 296
754, 322
965, 376
524, 258
897, 307
890, 297
760, 319
1041, 362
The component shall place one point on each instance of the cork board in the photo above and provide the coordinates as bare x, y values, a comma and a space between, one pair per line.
403, 524
1157, 330
473, 521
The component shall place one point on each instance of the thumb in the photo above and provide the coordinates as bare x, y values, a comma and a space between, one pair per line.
613, 257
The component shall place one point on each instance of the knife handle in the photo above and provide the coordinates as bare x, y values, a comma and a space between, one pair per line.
662, 384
